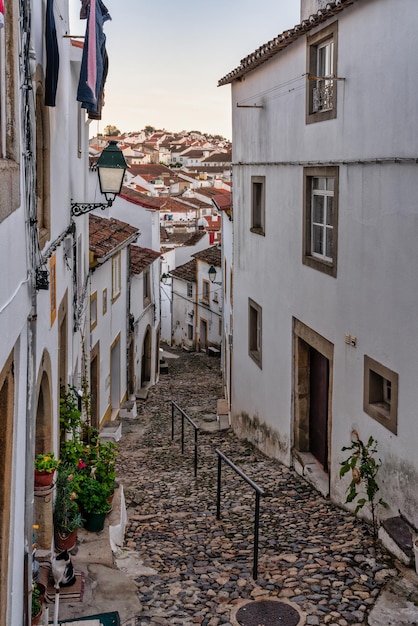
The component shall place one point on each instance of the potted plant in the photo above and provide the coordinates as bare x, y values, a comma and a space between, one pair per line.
45, 466
98, 459
94, 502
36, 603
67, 517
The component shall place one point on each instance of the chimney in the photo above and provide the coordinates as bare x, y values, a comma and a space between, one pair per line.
310, 7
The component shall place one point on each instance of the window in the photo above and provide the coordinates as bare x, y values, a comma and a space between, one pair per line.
254, 331
7, 415
321, 219
205, 290
257, 204
190, 332
9, 113
104, 304
116, 277
93, 310
52, 288
146, 286
220, 327
42, 167
189, 290
381, 394
321, 90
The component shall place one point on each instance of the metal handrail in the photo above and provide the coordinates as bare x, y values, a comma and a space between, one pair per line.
195, 427
258, 492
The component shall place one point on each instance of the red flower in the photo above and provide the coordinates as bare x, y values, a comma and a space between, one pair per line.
81, 464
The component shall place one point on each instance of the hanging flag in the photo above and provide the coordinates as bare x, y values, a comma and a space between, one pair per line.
1, 13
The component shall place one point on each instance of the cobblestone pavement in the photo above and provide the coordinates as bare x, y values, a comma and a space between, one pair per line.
311, 553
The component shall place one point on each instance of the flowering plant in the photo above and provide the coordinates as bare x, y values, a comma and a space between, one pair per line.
46, 462
94, 496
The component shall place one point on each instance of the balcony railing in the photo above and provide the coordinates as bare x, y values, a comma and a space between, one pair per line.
323, 95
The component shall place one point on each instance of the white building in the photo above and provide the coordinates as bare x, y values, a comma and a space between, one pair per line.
325, 256
144, 327
110, 242
196, 302
43, 291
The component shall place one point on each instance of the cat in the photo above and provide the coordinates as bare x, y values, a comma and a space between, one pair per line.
62, 570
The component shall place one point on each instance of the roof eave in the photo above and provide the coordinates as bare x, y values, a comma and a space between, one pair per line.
279, 43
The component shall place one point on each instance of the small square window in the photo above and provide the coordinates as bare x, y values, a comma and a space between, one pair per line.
381, 394
255, 331
258, 204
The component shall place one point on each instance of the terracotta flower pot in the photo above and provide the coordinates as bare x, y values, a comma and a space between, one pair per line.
36, 618
43, 479
64, 541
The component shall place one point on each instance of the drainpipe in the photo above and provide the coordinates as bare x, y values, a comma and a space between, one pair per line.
29, 164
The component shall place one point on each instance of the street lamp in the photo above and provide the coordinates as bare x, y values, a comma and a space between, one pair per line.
111, 166
212, 275
164, 278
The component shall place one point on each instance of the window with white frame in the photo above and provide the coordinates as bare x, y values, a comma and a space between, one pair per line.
255, 332
321, 75
321, 218
116, 276
258, 204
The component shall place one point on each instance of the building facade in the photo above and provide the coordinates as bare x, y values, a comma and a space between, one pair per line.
325, 256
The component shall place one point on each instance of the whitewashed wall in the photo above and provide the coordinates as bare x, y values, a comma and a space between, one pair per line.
109, 327
374, 295
144, 318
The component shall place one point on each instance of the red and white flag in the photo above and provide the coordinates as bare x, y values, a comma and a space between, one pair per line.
1, 13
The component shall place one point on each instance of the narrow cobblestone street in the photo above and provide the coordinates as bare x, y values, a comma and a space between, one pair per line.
199, 569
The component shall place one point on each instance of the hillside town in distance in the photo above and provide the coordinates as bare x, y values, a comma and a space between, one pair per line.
185, 179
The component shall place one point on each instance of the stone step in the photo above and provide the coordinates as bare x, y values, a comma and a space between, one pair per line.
396, 535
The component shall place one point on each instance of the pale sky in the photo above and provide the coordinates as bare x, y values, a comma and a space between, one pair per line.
166, 58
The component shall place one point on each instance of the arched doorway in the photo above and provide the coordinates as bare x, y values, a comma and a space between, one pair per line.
6, 437
44, 442
146, 358
43, 434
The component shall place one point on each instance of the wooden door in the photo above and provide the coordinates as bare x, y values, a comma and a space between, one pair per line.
318, 406
203, 334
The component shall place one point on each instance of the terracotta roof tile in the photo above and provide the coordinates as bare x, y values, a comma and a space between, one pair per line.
141, 258
211, 255
279, 43
106, 235
150, 169
186, 271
